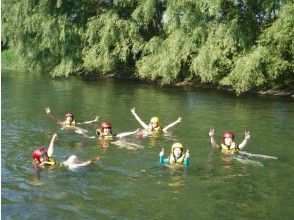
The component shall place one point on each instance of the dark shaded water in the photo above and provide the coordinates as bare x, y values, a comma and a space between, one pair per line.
130, 184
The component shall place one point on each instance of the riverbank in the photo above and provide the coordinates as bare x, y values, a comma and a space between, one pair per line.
191, 84
283, 93
10, 60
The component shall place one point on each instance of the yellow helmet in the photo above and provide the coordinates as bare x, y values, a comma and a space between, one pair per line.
155, 120
177, 145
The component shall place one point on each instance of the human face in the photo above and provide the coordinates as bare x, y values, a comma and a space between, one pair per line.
228, 141
106, 131
154, 124
44, 158
177, 152
68, 119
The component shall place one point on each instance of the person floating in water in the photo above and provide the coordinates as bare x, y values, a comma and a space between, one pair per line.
154, 125
105, 132
228, 145
177, 155
42, 158
70, 122
105, 135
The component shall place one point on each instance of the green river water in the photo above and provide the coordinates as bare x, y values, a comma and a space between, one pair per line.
130, 183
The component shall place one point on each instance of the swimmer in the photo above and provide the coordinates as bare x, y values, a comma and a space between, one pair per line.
42, 158
105, 132
154, 125
228, 144
177, 155
69, 121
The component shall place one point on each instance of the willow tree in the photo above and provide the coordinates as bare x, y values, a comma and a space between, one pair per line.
166, 57
269, 63
216, 42
242, 44
48, 35
110, 43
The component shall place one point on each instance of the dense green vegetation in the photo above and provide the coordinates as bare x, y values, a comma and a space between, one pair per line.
242, 44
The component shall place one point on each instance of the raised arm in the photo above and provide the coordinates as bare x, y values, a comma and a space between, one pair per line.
127, 133
245, 141
187, 158
212, 140
51, 145
161, 156
89, 122
52, 116
172, 124
144, 125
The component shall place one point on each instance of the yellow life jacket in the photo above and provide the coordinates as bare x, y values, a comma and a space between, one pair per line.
51, 162
233, 149
108, 137
67, 124
180, 160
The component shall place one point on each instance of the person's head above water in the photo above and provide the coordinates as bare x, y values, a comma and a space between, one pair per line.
105, 127
154, 122
40, 155
177, 149
228, 137
69, 116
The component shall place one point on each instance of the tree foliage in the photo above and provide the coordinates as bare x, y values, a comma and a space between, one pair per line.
242, 44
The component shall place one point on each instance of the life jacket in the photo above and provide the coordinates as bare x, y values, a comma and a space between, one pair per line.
51, 163
172, 159
233, 149
108, 137
66, 123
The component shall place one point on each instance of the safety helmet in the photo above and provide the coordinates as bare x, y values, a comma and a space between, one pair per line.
228, 134
154, 120
37, 153
69, 114
177, 145
105, 124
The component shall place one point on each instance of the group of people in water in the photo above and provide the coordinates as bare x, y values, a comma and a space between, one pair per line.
43, 157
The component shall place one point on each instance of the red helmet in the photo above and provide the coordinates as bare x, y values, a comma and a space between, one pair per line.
69, 114
228, 134
105, 124
37, 153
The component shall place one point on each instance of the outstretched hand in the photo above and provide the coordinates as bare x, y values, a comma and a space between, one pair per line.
96, 119
54, 136
179, 120
187, 155
161, 153
47, 110
211, 132
247, 135
133, 110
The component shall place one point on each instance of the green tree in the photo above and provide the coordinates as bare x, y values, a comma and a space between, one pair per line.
243, 44
270, 63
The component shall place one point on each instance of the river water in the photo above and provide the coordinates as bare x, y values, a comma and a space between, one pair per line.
129, 183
